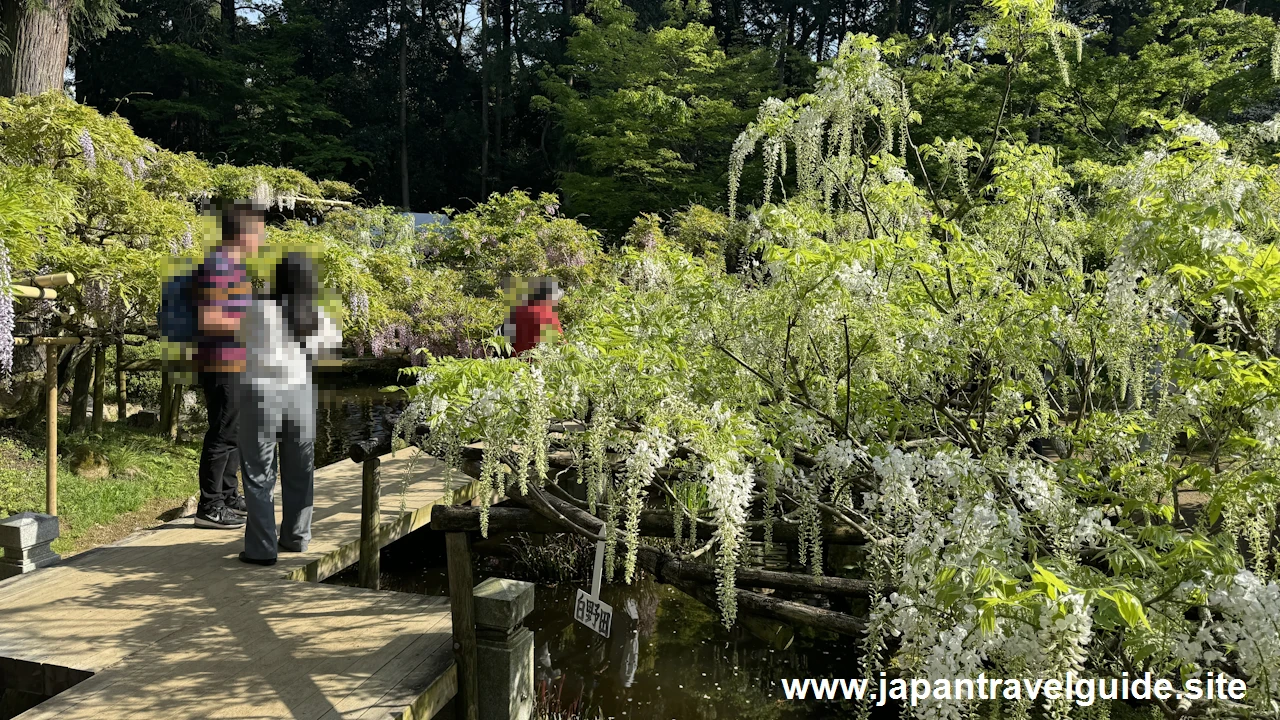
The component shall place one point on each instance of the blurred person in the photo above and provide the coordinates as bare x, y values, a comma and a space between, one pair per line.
284, 332
534, 319
222, 294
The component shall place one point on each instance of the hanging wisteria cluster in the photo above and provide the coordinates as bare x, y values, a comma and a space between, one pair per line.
6, 314
1006, 430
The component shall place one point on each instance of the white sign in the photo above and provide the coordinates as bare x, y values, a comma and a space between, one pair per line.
594, 614
588, 609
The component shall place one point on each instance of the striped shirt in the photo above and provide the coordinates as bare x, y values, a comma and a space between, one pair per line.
221, 282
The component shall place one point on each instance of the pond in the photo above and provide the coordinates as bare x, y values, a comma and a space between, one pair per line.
349, 413
669, 657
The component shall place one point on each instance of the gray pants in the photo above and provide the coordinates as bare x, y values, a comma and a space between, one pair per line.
271, 414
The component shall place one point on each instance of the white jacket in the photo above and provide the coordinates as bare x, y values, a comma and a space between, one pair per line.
273, 356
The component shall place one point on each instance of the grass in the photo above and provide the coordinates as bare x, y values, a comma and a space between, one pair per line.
147, 472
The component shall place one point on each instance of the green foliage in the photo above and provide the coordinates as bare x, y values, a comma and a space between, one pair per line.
513, 235
999, 382
112, 208
144, 468
650, 113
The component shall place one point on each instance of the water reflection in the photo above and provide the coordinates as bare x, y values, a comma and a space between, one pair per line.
346, 415
669, 657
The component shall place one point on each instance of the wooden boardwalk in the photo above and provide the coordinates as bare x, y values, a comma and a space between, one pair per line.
170, 624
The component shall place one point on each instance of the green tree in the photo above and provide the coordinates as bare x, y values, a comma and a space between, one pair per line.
37, 35
649, 115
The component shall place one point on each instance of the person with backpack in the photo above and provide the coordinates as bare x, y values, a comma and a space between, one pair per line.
222, 293
284, 332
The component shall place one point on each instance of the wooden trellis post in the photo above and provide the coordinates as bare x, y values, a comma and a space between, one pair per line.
99, 384
175, 410
166, 397
53, 346
122, 402
52, 355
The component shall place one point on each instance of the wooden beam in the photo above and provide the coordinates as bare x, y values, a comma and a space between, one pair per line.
655, 523
60, 341
370, 513
755, 603
461, 587
33, 293
457, 518
55, 280
69, 340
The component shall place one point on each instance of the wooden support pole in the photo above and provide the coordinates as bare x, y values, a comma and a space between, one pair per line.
370, 514
457, 518
175, 410
461, 587
166, 397
51, 446
80, 389
122, 394
99, 385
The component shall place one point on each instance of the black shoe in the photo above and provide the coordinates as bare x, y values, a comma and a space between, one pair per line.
256, 561
219, 518
237, 505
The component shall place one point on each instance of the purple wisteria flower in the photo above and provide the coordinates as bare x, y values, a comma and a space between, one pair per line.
96, 295
6, 314
90, 155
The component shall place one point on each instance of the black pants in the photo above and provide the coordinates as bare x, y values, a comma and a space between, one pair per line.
219, 459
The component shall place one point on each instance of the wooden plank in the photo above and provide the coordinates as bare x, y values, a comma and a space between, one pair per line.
421, 681
434, 698
169, 618
383, 681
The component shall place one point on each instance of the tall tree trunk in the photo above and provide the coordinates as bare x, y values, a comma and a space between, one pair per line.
38, 35
80, 390
228, 13
503, 86
404, 108
484, 99
787, 43
460, 28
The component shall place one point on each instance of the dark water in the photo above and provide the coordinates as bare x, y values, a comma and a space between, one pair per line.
348, 414
668, 657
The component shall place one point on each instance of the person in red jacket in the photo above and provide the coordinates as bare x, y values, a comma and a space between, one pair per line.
534, 320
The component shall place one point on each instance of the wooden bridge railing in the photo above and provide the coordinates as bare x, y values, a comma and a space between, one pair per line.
368, 453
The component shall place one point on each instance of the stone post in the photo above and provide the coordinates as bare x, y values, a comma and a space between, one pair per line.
504, 649
25, 539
